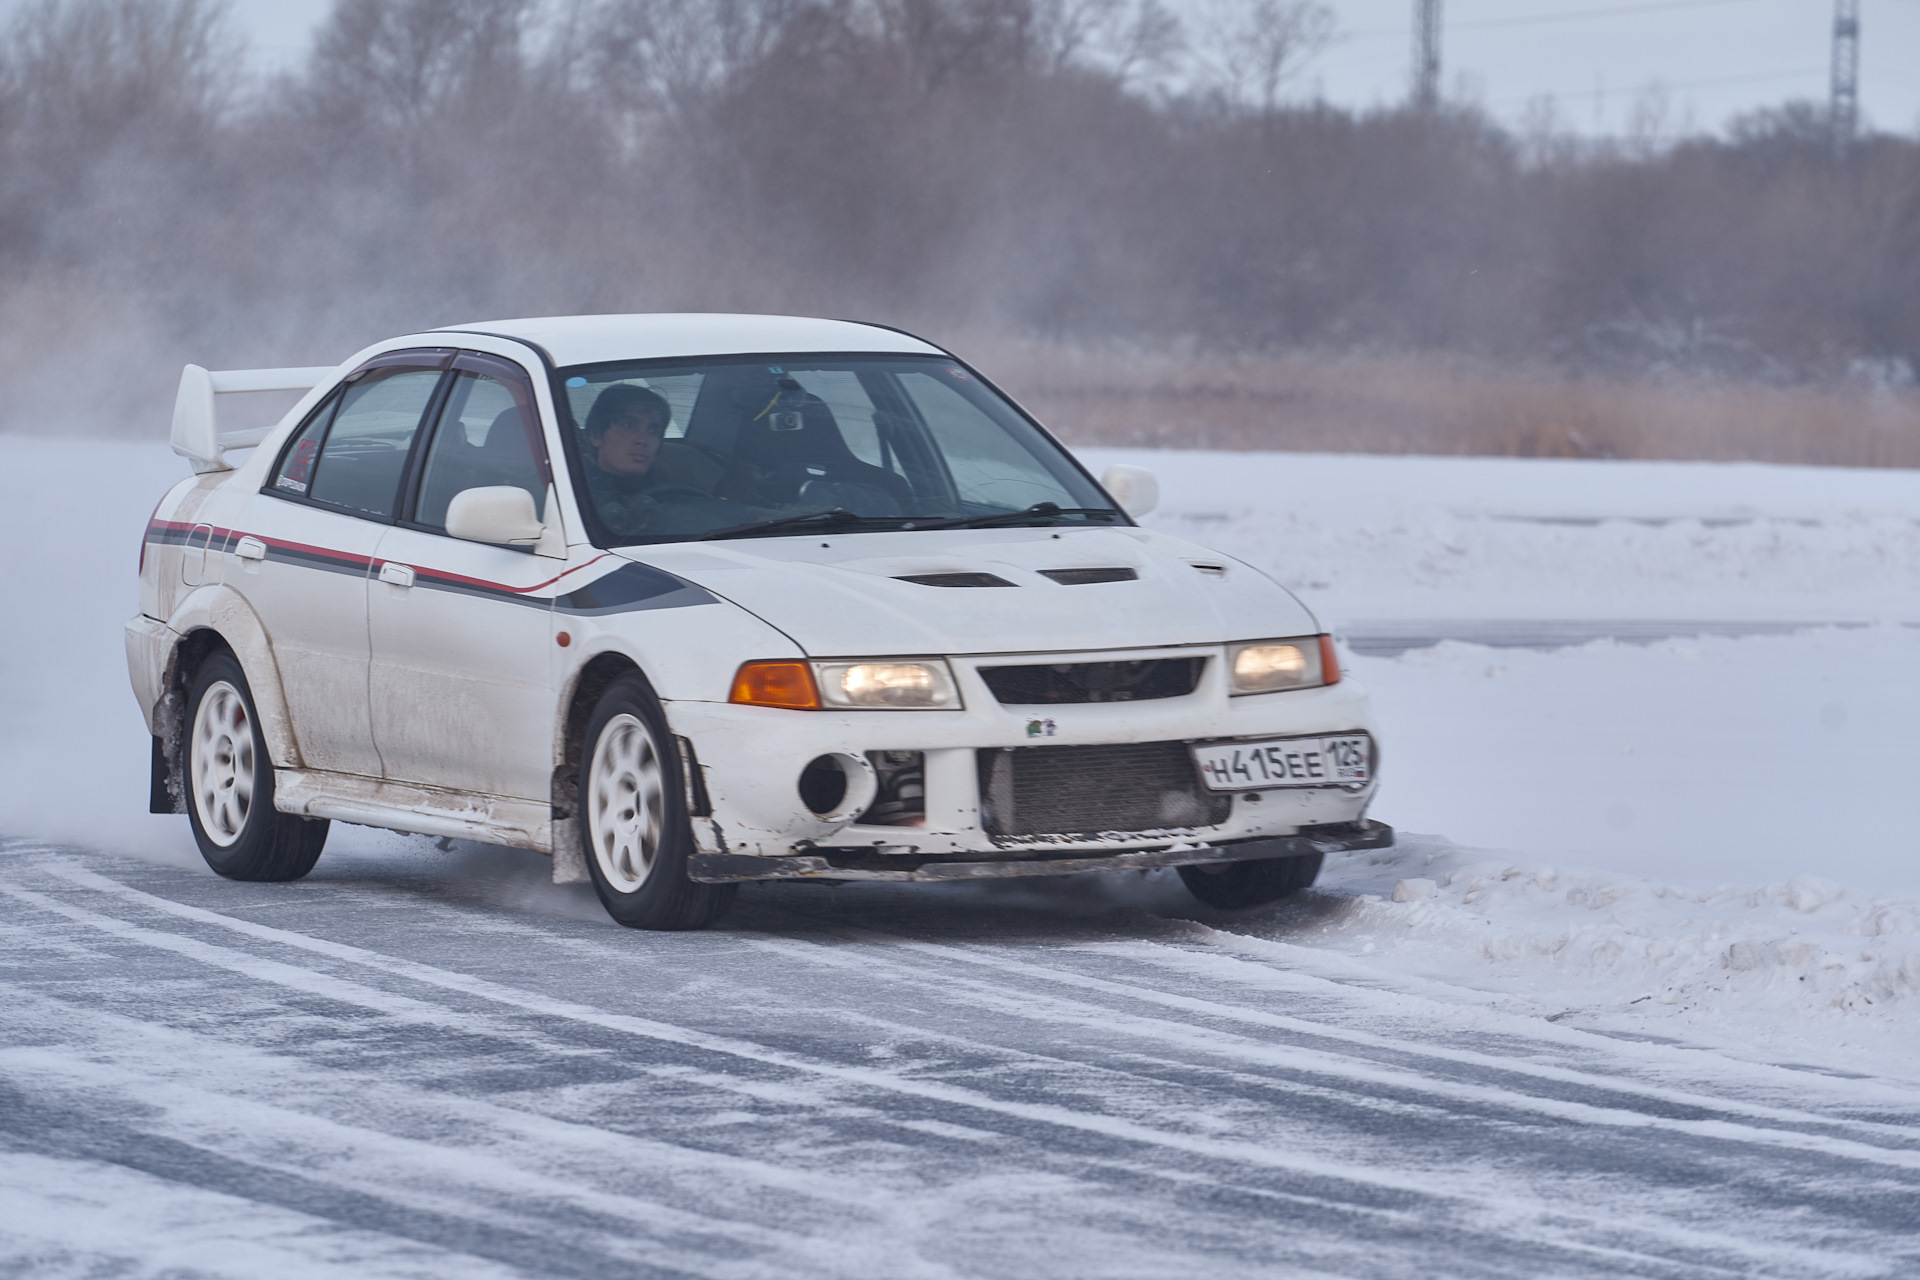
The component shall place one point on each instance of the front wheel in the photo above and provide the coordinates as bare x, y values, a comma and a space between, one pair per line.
229, 780
1235, 885
633, 819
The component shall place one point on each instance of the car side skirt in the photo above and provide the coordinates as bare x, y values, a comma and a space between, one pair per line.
869, 864
427, 811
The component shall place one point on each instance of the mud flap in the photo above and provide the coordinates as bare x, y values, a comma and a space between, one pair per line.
569, 860
163, 796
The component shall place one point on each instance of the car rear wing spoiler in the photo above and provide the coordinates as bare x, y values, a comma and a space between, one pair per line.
196, 433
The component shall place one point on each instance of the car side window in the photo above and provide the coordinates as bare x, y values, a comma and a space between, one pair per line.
296, 464
364, 456
486, 437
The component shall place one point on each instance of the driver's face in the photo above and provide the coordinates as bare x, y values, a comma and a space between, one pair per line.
629, 445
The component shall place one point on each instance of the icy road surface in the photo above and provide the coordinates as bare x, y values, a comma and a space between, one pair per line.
1648, 1004
393, 1069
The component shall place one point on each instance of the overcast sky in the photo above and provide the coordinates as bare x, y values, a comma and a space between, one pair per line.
1713, 58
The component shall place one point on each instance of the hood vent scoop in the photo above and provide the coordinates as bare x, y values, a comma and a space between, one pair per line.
955, 580
1083, 577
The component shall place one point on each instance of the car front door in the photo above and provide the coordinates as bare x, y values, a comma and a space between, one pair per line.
304, 547
462, 684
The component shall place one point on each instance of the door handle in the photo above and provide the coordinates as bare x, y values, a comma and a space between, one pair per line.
251, 549
399, 575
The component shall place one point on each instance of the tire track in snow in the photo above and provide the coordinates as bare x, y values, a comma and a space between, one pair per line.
1540, 1232
1897, 1145
972, 1098
1416, 1196
1379, 1217
347, 992
518, 1167
74, 1217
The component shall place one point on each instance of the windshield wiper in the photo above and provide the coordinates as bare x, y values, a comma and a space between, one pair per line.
1038, 511
839, 517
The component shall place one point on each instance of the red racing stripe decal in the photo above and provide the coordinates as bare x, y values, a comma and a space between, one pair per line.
176, 531
460, 579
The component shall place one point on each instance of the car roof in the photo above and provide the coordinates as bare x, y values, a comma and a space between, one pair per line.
570, 340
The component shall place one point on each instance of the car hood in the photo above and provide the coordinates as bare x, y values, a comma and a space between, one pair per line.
842, 595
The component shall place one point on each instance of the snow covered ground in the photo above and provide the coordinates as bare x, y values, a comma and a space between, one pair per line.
1638, 992
1702, 836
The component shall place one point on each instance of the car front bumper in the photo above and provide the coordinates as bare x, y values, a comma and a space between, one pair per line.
749, 759
857, 863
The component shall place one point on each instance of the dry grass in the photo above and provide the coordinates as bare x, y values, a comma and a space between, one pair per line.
1433, 405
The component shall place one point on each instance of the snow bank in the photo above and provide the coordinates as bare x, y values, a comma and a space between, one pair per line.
1364, 538
1699, 762
1801, 966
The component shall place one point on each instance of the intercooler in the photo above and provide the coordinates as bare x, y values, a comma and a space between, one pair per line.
1131, 786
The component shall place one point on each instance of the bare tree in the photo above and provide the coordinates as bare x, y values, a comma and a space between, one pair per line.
1249, 51
395, 61
668, 58
92, 68
1128, 41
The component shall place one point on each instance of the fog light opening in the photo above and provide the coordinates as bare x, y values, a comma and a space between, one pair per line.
837, 786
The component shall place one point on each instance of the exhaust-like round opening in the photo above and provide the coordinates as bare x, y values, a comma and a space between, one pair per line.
838, 787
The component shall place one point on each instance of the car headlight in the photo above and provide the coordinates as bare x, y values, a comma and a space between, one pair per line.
923, 685
1269, 666
878, 684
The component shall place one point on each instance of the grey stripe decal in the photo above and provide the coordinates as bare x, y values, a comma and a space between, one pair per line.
630, 588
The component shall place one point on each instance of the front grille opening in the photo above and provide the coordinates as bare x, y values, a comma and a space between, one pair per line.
1050, 684
1084, 577
1119, 787
902, 798
955, 580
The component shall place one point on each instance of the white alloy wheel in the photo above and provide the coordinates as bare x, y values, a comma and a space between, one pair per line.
220, 756
626, 810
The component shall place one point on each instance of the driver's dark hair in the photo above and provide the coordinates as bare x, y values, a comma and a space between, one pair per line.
623, 400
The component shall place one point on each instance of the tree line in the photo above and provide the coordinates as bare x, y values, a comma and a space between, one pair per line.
1081, 170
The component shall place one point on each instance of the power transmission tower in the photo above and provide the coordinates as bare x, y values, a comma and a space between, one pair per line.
1426, 54
1845, 111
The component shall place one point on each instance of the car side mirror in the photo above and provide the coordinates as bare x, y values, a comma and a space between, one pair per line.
1135, 488
498, 513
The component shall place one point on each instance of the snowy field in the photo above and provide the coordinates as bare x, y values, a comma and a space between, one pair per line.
1637, 994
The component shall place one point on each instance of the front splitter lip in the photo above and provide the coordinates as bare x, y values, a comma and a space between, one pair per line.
864, 864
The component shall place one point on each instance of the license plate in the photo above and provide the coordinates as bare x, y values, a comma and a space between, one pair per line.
1337, 760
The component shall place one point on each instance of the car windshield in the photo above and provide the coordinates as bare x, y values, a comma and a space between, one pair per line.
668, 451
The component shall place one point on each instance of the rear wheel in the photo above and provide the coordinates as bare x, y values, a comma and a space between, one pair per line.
1251, 884
633, 820
229, 781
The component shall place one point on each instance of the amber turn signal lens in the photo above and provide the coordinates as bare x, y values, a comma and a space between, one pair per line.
1329, 662
775, 684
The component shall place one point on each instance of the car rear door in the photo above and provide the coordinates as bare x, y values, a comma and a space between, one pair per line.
303, 549
462, 680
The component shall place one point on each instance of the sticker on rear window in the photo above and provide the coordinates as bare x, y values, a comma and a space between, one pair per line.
299, 467
576, 382
956, 372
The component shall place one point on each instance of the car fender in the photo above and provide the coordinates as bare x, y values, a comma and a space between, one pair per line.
226, 613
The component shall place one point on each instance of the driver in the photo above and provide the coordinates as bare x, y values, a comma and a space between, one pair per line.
624, 431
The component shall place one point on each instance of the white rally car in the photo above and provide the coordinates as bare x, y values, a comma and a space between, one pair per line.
690, 600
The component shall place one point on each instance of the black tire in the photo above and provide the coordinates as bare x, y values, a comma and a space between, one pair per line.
637, 843
228, 780
1235, 885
